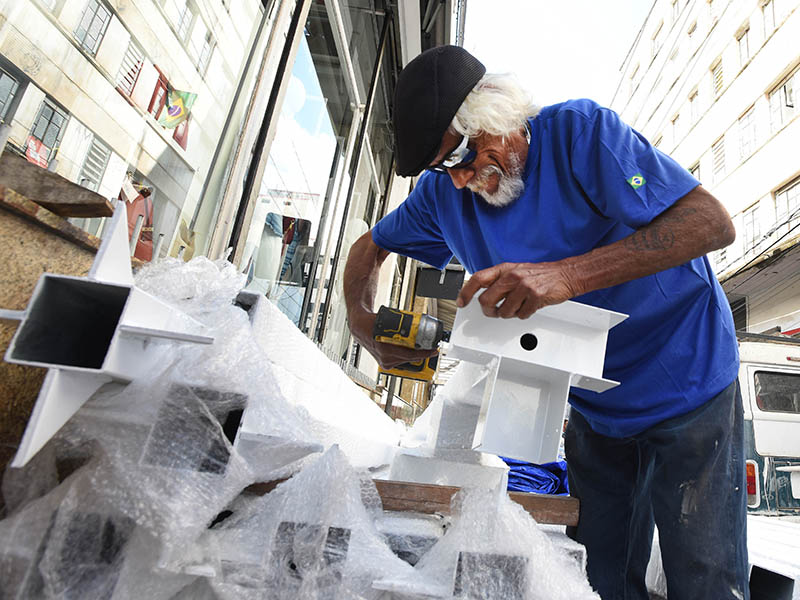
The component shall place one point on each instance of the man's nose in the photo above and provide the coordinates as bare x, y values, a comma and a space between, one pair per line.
461, 177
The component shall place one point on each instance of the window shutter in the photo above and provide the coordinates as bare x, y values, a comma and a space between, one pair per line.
716, 74
94, 165
130, 68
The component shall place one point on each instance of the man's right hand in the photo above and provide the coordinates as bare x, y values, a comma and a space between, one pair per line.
387, 355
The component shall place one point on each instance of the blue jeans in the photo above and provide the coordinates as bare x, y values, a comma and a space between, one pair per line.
686, 475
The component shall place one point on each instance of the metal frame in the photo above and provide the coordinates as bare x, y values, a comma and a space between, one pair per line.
531, 365
48, 337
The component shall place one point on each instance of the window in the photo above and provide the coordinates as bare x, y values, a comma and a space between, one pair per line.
8, 90
694, 110
718, 156
787, 207
714, 9
695, 171
747, 134
768, 12
752, 229
658, 141
743, 44
777, 392
201, 44
676, 128
656, 43
692, 30
720, 257
94, 165
716, 78
675, 10
130, 68
92, 26
634, 78
180, 15
782, 105
49, 127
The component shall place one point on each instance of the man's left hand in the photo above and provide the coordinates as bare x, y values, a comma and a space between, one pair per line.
519, 289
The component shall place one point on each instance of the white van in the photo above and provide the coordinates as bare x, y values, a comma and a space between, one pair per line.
769, 377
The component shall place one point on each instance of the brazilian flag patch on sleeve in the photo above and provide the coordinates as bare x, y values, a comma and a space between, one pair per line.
636, 181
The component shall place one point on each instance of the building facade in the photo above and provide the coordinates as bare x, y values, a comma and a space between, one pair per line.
712, 83
286, 156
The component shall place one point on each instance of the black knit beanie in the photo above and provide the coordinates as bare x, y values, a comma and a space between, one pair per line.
429, 92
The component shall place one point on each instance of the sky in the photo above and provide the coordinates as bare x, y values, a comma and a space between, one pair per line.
559, 49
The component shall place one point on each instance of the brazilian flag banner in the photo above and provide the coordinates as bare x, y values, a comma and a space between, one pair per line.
177, 108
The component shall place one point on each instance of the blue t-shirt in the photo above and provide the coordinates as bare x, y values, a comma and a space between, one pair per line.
591, 180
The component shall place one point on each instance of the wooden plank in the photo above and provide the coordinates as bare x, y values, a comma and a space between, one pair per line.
560, 510
425, 498
402, 496
48, 221
50, 190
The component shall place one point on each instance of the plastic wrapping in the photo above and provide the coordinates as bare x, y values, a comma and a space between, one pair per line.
309, 379
411, 535
494, 550
312, 537
69, 544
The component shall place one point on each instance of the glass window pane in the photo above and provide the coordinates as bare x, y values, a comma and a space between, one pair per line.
50, 136
297, 190
362, 26
777, 392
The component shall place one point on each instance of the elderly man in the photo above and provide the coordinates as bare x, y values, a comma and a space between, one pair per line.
568, 202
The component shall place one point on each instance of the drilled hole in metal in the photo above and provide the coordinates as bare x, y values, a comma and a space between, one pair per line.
528, 341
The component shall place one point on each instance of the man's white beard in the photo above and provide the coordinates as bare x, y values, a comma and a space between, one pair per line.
509, 186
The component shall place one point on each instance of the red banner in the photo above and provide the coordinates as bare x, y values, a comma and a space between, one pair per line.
37, 152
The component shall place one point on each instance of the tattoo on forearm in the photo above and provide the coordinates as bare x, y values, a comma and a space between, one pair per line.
658, 235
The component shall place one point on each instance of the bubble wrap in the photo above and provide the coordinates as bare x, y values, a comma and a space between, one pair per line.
494, 550
309, 379
67, 545
313, 537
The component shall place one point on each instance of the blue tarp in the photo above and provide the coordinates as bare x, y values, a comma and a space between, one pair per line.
549, 478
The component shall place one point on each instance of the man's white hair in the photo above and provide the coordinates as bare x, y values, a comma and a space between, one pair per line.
497, 105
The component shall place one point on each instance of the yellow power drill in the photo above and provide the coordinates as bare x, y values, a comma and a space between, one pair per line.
411, 330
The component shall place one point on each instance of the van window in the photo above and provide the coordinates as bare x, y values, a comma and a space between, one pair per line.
777, 392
